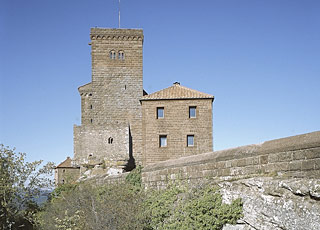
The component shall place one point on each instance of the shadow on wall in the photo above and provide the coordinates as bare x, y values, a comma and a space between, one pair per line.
131, 164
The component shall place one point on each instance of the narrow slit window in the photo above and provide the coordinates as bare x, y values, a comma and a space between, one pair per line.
160, 112
91, 120
163, 141
190, 140
110, 140
192, 112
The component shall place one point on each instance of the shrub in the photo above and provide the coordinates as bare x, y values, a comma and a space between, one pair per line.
180, 208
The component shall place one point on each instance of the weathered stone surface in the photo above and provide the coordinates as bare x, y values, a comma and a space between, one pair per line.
275, 203
110, 106
176, 125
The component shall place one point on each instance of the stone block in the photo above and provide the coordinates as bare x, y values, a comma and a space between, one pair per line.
284, 156
236, 171
241, 162
277, 167
298, 155
224, 172
316, 164
249, 170
273, 158
221, 165
250, 161
228, 164
312, 153
263, 159
295, 165
211, 165
307, 165
209, 173
256, 160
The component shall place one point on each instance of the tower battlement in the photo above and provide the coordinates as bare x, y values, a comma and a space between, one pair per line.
116, 34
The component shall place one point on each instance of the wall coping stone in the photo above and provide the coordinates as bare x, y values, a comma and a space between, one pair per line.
299, 142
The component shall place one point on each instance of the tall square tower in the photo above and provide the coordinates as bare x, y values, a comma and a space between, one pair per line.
111, 117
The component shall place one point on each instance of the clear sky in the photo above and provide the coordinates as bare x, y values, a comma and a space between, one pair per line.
260, 59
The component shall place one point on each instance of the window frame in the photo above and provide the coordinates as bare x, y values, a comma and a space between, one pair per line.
190, 145
112, 55
166, 141
158, 109
195, 112
121, 55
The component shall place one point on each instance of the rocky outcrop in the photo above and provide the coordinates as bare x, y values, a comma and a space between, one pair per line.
274, 204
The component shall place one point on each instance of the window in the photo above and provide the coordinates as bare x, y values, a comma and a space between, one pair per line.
192, 112
190, 140
163, 141
110, 140
121, 55
112, 54
91, 120
90, 106
160, 112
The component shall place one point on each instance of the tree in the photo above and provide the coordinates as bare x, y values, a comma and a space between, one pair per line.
20, 184
93, 207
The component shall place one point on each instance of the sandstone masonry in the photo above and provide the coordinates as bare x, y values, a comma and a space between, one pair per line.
120, 124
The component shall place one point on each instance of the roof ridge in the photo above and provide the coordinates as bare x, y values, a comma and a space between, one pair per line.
65, 162
194, 90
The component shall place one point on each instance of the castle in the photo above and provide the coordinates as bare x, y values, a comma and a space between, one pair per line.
121, 125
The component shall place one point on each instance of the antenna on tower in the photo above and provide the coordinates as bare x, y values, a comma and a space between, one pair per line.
119, 14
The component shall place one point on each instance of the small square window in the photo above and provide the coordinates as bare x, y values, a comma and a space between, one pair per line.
190, 140
192, 111
160, 112
163, 141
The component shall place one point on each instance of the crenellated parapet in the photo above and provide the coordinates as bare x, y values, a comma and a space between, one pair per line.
116, 34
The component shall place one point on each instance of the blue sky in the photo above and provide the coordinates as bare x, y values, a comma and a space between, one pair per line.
260, 59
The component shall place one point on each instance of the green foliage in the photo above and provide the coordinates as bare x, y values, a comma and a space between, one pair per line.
126, 206
62, 188
114, 206
134, 177
73, 222
20, 183
182, 208
159, 206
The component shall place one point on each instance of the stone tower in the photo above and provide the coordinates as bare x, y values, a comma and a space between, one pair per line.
111, 117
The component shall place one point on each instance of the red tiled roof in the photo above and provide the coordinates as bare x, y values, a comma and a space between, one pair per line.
177, 92
65, 164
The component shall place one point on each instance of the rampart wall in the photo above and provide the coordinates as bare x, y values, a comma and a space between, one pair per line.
297, 156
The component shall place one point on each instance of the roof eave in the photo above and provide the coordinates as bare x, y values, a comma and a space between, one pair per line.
191, 98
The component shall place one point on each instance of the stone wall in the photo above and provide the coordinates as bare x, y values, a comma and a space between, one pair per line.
97, 145
297, 156
66, 175
111, 100
176, 125
118, 84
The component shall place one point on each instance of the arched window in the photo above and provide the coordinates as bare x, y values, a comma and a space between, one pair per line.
112, 54
121, 55
110, 140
